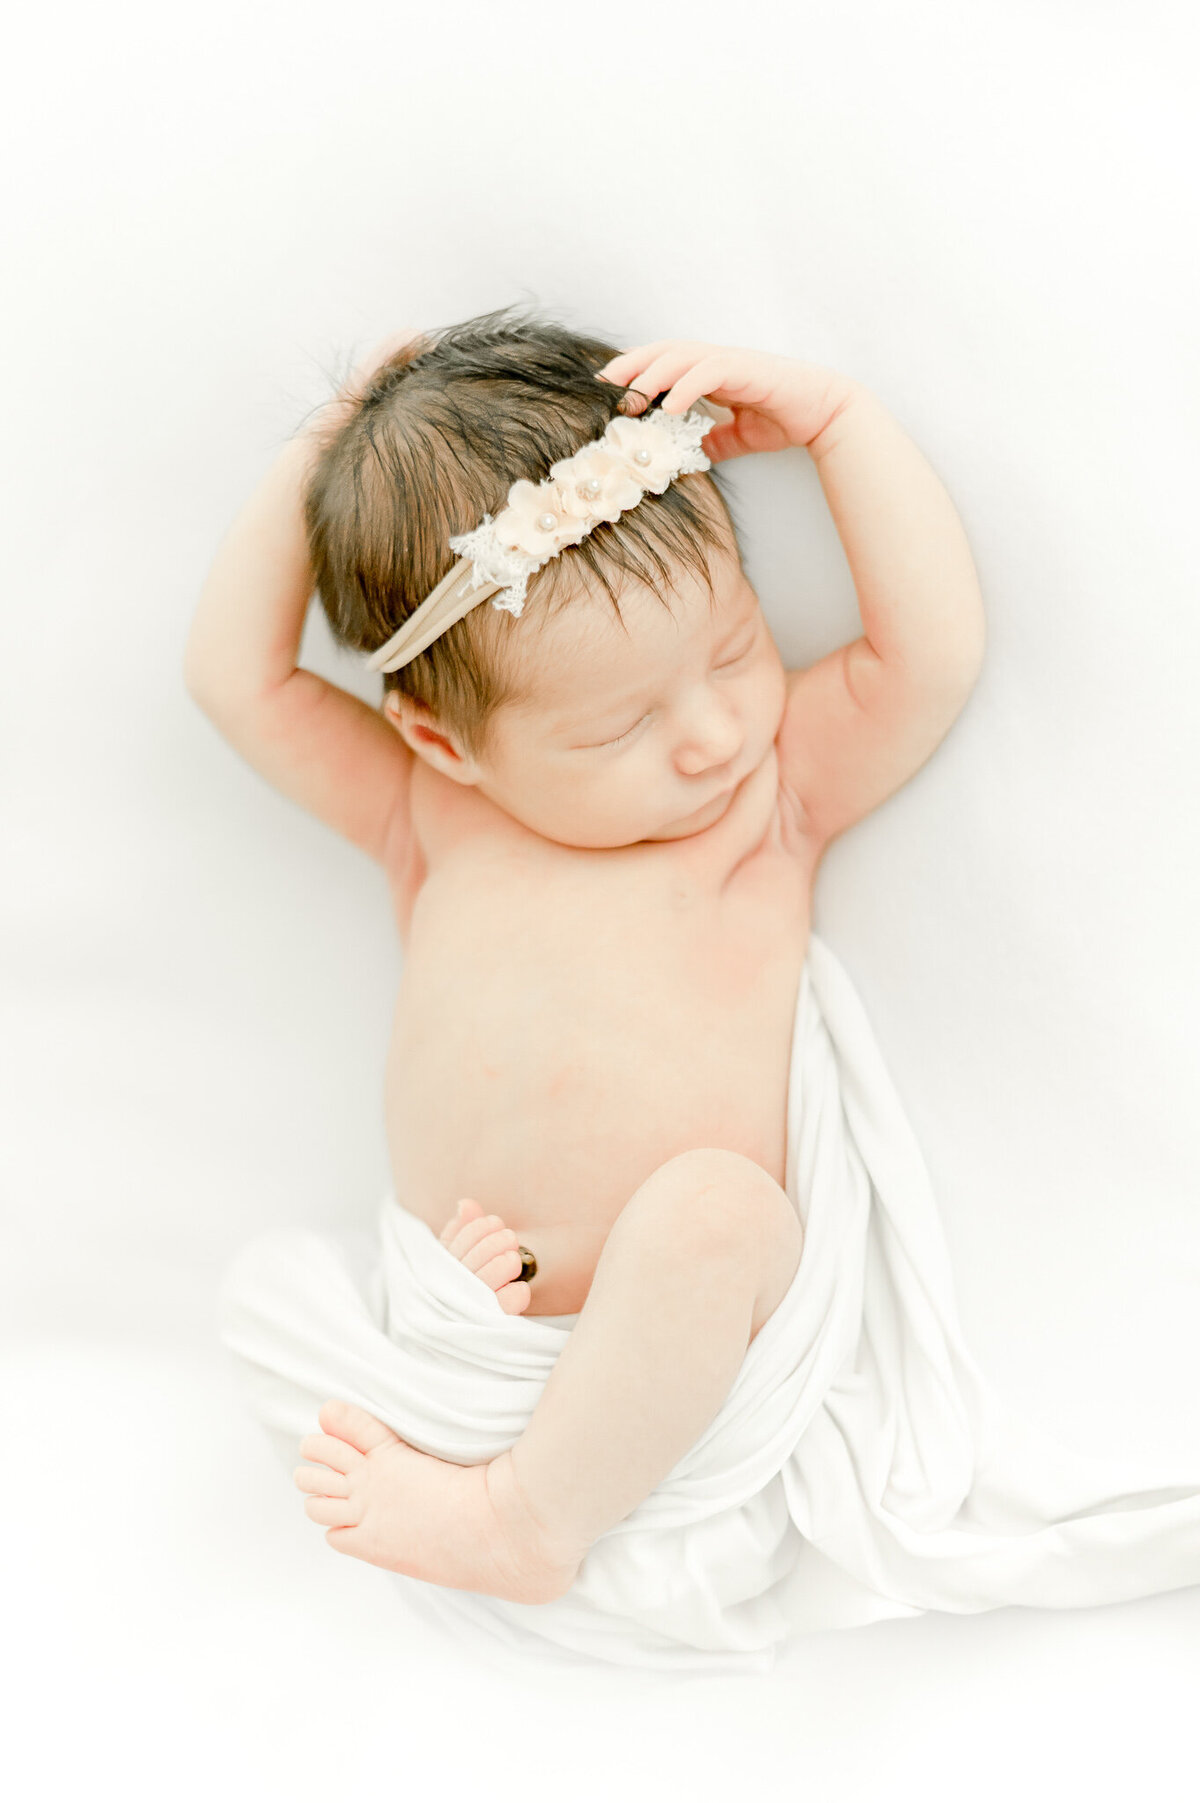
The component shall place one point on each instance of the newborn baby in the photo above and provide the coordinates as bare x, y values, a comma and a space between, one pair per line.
600, 801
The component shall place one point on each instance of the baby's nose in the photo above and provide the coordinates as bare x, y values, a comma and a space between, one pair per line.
715, 738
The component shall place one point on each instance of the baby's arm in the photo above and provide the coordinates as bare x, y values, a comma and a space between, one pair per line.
862, 721
320, 746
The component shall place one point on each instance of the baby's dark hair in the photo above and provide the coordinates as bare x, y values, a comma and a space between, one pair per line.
433, 441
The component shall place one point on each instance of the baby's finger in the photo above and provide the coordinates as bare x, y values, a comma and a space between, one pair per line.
618, 369
681, 379
665, 363
713, 376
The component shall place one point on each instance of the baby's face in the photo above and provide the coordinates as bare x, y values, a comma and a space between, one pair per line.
639, 731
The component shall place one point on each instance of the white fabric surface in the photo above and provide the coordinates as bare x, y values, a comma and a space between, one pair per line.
860, 1468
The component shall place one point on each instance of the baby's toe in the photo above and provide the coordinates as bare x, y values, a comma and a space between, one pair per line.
323, 1449
495, 1259
481, 1240
462, 1237
466, 1212
318, 1480
502, 1270
346, 1421
332, 1511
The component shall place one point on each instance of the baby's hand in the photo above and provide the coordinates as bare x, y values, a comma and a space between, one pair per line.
775, 401
489, 1248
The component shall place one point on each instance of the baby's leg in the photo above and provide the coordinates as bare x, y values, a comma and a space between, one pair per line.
696, 1262
699, 1258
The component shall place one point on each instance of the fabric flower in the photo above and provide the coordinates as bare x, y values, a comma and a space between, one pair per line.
537, 521
625, 438
612, 487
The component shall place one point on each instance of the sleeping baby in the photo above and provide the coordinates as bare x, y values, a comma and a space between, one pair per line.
600, 801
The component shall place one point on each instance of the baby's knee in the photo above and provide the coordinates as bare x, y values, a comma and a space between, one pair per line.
718, 1201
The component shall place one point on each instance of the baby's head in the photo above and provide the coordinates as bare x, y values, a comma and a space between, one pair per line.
639, 685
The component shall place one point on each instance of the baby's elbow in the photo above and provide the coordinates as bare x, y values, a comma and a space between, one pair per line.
962, 662
203, 681
197, 687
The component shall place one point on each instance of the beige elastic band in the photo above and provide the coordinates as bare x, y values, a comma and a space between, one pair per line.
442, 608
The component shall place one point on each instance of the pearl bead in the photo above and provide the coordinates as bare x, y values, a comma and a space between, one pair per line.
592, 487
547, 522
642, 456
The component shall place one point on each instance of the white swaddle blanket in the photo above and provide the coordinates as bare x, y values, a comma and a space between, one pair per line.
860, 1468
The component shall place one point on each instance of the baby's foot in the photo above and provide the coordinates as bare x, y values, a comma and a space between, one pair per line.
489, 1248
462, 1526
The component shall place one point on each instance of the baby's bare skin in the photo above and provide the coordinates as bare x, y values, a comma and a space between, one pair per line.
491, 1250
627, 1005
664, 978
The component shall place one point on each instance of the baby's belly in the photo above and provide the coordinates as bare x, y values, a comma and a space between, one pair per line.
545, 1060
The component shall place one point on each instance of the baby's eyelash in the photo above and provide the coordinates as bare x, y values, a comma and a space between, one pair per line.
629, 730
738, 655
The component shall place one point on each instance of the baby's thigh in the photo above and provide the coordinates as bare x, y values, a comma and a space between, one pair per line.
715, 1204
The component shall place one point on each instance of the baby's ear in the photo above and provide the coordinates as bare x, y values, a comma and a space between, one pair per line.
418, 727
405, 711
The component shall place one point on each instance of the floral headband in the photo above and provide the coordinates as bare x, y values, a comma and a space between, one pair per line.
599, 482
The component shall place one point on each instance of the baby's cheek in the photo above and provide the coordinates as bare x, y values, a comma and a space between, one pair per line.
620, 807
770, 701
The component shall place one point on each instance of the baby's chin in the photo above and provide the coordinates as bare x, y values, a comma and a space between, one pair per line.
687, 827
697, 822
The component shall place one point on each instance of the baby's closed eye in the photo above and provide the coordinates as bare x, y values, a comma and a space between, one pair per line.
627, 734
728, 664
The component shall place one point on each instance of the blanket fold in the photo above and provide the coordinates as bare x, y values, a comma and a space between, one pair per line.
861, 1467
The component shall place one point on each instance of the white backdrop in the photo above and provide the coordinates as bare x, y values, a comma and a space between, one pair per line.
987, 215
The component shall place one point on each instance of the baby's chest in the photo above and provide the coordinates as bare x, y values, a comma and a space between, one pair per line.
681, 1019
666, 959
576, 978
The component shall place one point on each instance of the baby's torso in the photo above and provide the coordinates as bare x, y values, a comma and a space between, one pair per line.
568, 1020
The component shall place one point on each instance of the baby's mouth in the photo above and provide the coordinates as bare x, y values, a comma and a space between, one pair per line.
731, 787
721, 795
